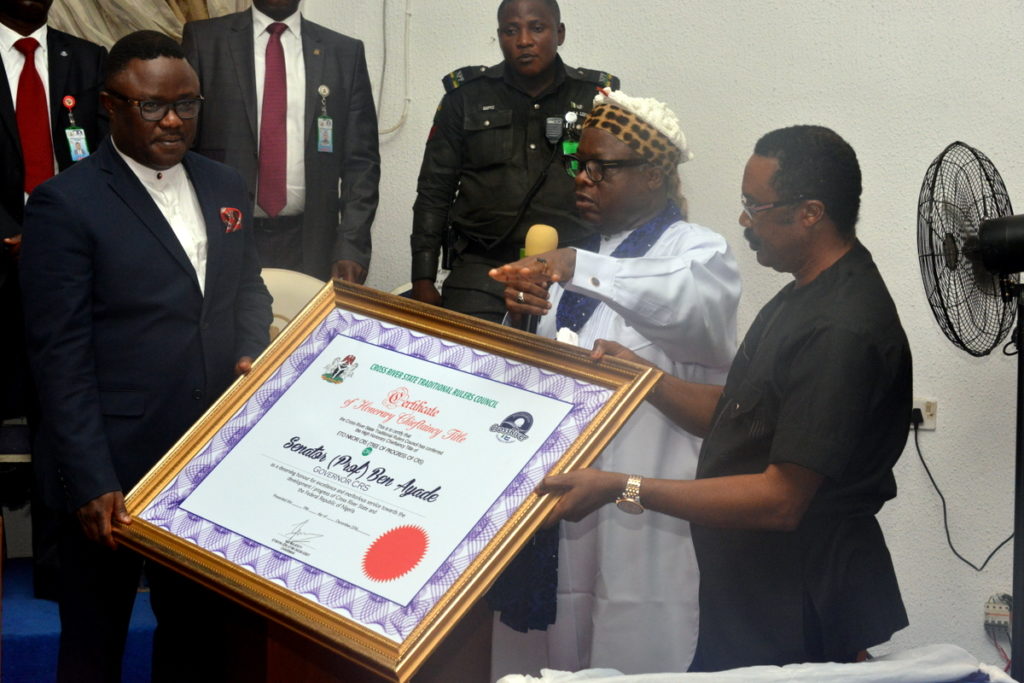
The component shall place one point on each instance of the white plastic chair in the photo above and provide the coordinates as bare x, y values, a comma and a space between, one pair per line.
291, 290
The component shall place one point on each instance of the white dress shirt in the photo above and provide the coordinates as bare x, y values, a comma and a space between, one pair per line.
14, 61
295, 73
174, 195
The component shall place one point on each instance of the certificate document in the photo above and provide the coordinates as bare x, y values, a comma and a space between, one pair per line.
373, 465
380, 488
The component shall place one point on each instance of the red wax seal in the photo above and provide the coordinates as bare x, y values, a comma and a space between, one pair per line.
68, 102
395, 553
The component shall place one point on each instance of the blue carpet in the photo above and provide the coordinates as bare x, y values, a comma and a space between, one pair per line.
31, 628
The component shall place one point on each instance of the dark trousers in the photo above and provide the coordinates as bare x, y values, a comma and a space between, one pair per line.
16, 397
470, 290
200, 636
279, 242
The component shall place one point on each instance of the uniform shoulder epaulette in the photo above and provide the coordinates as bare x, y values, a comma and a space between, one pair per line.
460, 77
601, 78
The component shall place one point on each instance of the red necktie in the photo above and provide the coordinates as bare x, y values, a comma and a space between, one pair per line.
270, 193
33, 118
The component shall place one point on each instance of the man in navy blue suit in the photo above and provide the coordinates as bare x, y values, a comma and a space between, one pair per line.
143, 301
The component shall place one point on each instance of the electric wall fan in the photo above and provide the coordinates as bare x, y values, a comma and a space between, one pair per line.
971, 250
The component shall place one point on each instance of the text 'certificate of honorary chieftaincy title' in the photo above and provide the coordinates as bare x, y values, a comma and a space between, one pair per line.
373, 466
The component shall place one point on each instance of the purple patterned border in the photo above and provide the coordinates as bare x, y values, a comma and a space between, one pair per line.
394, 620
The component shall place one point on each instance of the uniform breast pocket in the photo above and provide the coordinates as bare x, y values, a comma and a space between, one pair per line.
488, 137
751, 412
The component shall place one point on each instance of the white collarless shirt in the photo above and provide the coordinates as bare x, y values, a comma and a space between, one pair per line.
174, 195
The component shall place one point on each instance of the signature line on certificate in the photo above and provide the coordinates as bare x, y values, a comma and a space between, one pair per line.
305, 508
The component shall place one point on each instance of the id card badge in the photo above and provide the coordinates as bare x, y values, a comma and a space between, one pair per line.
325, 134
77, 143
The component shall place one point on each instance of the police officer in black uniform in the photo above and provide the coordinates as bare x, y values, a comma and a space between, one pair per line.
492, 165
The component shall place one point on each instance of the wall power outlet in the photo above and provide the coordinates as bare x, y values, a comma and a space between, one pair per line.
929, 408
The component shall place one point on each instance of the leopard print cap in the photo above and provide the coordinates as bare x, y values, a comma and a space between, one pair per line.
647, 126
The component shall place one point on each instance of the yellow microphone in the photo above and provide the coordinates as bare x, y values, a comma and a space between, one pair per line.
540, 239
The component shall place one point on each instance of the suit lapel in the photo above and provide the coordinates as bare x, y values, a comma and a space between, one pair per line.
59, 60
213, 224
129, 188
314, 54
7, 120
240, 43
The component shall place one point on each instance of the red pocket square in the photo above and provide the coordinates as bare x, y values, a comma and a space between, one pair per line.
232, 218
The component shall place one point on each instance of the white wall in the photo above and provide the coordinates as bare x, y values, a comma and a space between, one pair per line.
899, 80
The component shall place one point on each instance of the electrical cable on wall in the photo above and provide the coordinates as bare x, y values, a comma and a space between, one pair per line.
916, 420
1010, 347
993, 636
405, 67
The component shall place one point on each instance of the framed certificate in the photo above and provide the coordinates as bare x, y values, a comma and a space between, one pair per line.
373, 474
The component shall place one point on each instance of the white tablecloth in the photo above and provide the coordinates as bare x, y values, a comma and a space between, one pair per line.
927, 664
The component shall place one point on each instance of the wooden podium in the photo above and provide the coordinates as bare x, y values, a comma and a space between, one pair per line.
464, 656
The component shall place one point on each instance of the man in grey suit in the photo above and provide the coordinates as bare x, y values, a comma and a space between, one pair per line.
289, 104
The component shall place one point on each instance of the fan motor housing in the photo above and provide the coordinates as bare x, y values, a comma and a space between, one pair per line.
1002, 244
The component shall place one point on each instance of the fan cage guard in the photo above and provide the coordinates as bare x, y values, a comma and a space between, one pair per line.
961, 189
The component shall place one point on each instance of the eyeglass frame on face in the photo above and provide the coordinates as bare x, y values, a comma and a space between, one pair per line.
164, 106
754, 210
571, 163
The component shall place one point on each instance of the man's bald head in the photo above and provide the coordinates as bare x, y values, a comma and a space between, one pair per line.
551, 5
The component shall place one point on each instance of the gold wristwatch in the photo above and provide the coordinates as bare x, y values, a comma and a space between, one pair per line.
629, 500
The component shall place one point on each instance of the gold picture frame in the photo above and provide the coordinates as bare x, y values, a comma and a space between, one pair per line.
166, 529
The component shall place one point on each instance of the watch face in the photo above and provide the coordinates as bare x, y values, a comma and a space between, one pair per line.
629, 506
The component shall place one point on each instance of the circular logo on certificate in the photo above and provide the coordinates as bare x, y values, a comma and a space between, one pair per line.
514, 427
395, 553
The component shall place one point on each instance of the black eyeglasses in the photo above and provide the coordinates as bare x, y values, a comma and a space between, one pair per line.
154, 110
753, 209
595, 168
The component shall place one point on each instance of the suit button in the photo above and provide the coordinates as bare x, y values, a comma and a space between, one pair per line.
197, 394
205, 327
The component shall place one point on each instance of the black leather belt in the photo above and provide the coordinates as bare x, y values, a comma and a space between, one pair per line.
503, 253
279, 224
